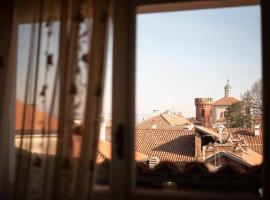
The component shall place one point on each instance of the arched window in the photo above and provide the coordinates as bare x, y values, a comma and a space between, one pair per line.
222, 115
203, 113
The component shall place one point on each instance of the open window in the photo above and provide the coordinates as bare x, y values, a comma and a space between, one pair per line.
129, 171
129, 31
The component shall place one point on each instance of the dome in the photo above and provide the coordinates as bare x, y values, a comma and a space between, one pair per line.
228, 86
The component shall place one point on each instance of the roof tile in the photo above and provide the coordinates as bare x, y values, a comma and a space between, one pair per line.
225, 101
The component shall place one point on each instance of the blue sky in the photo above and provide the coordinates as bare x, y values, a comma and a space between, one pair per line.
180, 56
187, 54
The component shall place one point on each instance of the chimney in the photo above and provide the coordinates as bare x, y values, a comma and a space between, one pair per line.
153, 161
257, 130
153, 125
198, 145
102, 128
203, 153
190, 127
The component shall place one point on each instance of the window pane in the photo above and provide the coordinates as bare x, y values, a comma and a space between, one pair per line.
199, 98
36, 143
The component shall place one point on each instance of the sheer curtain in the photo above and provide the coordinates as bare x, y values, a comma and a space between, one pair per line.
60, 48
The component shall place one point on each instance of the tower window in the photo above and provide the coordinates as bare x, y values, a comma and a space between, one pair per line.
203, 113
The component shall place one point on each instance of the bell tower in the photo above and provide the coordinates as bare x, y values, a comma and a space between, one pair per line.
228, 89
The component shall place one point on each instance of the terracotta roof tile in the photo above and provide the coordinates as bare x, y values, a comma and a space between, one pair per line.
255, 143
175, 120
249, 157
225, 101
176, 146
39, 116
104, 150
164, 121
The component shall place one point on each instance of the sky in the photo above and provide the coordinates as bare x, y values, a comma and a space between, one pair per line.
188, 54
23, 62
179, 56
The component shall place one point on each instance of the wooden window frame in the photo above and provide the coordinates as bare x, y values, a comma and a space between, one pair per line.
123, 106
123, 109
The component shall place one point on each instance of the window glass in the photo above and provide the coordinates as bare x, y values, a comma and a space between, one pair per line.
197, 74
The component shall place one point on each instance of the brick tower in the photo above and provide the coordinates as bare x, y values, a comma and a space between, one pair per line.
204, 111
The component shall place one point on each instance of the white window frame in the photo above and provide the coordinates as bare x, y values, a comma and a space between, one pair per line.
123, 109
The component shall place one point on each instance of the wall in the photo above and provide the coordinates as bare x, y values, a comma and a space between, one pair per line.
39, 143
216, 111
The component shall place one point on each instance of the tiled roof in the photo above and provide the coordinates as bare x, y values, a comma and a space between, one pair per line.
175, 119
164, 121
255, 143
104, 150
39, 116
225, 101
175, 146
249, 157
178, 146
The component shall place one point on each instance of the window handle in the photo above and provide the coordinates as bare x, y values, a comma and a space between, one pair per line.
120, 141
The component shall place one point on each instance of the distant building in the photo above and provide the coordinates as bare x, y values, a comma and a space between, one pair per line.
212, 114
165, 120
220, 106
216, 148
204, 111
239, 148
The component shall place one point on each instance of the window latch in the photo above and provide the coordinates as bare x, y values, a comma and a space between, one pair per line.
120, 141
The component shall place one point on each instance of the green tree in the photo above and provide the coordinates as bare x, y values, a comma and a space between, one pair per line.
236, 117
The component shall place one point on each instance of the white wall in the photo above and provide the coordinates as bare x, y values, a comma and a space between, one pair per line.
216, 111
39, 144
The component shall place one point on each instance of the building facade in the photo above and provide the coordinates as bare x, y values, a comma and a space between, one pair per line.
212, 114
220, 106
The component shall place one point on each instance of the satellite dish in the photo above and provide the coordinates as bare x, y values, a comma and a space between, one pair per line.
221, 128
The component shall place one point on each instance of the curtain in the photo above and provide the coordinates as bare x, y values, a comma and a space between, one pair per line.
54, 77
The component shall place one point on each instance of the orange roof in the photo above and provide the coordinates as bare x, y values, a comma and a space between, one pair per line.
164, 121
39, 117
104, 149
177, 146
175, 119
255, 143
225, 101
249, 157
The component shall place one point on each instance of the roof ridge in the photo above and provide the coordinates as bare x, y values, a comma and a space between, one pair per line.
165, 118
148, 119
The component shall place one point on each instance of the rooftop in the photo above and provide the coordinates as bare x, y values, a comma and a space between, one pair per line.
166, 120
225, 101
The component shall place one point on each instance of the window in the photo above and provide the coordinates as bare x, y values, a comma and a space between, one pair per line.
221, 115
167, 50
128, 72
203, 114
123, 177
